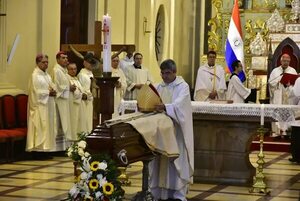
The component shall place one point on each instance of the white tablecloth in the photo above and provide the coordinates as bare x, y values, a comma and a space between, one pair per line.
282, 113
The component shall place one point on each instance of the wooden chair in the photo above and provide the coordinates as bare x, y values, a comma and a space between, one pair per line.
16, 134
4, 138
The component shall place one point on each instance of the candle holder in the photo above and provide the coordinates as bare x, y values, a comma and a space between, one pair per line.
106, 85
259, 186
106, 74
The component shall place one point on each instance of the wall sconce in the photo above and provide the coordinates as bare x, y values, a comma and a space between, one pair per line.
145, 26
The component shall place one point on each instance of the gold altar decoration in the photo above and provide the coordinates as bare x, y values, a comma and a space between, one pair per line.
215, 34
259, 185
251, 29
271, 4
288, 2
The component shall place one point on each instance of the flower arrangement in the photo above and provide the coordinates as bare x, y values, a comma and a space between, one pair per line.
97, 177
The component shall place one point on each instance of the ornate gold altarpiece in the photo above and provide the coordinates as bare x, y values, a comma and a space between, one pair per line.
254, 16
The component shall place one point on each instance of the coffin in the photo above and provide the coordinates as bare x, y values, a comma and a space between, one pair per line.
121, 141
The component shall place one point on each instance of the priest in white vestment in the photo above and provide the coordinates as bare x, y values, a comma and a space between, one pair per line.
136, 77
237, 92
127, 60
169, 178
77, 114
121, 85
280, 94
62, 83
85, 77
42, 127
210, 82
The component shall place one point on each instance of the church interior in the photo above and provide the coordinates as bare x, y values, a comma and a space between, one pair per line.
182, 30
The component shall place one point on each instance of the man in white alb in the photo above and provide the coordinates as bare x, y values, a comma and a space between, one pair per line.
136, 76
121, 84
42, 128
127, 60
76, 102
63, 87
85, 77
169, 178
210, 82
280, 94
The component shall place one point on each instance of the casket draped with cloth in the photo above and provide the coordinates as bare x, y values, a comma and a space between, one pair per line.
134, 137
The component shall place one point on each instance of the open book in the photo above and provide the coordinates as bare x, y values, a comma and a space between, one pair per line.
288, 78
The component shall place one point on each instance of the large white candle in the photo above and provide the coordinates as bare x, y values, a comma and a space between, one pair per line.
262, 114
106, 43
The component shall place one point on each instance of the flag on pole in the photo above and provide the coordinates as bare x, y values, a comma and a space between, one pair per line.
234, 49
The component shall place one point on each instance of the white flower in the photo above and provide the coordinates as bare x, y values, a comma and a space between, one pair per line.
87, 196
84, 176
85, 165
98, 194
99, 177
74, 191
82, 144
80, 152
102, 181
70, 153
103, 166
86, 188
87, 154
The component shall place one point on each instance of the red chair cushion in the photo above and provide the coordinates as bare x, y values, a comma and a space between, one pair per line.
21, 109
23, 130
3, 134
9, 111
13, 132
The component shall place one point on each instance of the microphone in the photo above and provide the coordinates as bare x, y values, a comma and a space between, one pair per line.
275, 78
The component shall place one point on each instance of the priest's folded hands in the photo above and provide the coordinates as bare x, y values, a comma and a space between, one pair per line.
72, 87
213, 94
52, 92
84, 97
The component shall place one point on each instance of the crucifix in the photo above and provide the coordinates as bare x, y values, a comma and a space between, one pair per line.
102, 103
97, 46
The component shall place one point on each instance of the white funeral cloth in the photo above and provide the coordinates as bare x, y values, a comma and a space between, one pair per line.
281, 113
157, 130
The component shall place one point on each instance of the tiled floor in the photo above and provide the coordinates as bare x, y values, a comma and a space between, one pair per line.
51, 180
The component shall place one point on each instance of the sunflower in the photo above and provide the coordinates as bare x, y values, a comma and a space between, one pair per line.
94, 165
94, 184
108, 188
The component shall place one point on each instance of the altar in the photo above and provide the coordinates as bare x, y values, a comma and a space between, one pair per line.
222, 137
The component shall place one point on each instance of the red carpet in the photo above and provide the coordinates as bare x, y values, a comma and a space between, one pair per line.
272, 144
